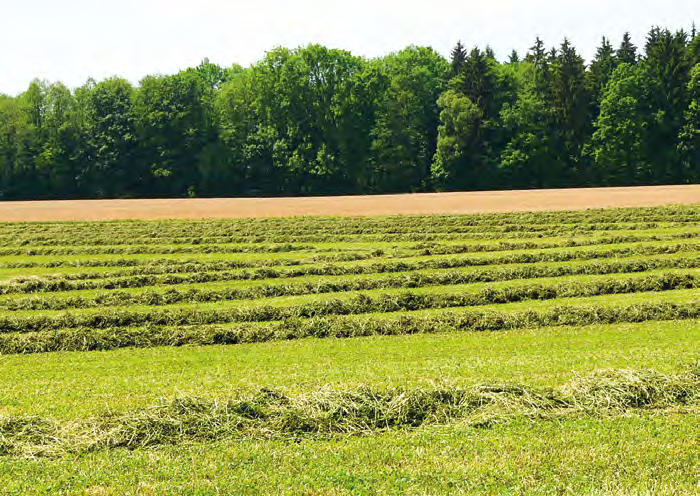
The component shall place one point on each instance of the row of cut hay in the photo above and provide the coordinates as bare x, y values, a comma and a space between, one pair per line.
423, 248
499, 272
151, 250
272, 413
455, 248
338, 234
175, 262
172, 296
298, 239
190, 328
336, 265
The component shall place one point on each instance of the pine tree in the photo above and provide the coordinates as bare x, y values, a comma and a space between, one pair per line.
627, 53
459, 57
513, 58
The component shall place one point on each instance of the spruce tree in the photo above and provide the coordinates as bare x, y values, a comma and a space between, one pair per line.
666, 61
693, 52
477, 81
689, 138
537, 54
459, 57
599, 73
627, 53
538, 57
570, 99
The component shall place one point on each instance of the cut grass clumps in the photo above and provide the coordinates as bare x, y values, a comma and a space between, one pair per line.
351, 304
188, 328
344, 284
273, 413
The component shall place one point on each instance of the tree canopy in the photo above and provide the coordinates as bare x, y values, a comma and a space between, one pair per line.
315, 120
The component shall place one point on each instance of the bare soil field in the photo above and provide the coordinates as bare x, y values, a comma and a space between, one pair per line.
439, 203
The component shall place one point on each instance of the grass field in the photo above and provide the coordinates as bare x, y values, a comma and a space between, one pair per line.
551, 352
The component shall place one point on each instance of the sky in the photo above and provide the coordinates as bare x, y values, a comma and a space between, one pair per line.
71, 40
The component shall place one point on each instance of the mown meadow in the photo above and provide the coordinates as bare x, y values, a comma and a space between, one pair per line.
523, 352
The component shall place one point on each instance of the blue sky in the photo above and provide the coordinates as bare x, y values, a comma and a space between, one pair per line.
70, 40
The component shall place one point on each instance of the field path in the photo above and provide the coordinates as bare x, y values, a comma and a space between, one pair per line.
440, 203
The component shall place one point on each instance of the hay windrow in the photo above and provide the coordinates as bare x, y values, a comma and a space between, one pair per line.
203, 329
171, 296
270, 413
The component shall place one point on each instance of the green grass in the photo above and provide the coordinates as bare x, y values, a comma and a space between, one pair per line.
644, 453
129, 378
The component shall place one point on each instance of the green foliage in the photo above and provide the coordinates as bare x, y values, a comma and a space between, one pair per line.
314, 120
627, 52
689, 138
600, 71
570, 101
174, 125
405, 133
528, 158
455, 166
113, 168
630, 117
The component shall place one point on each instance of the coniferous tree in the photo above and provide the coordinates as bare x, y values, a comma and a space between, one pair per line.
538, 56
477, 81
689, 139
627, 53
693, 52
490, 54
458, 58
665, 59
600, 71
571, 108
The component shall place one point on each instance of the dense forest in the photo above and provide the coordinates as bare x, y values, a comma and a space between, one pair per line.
320, 121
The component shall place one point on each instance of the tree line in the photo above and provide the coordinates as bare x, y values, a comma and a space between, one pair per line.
315, 120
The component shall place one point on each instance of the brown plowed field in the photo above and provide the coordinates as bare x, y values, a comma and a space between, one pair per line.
442, 203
